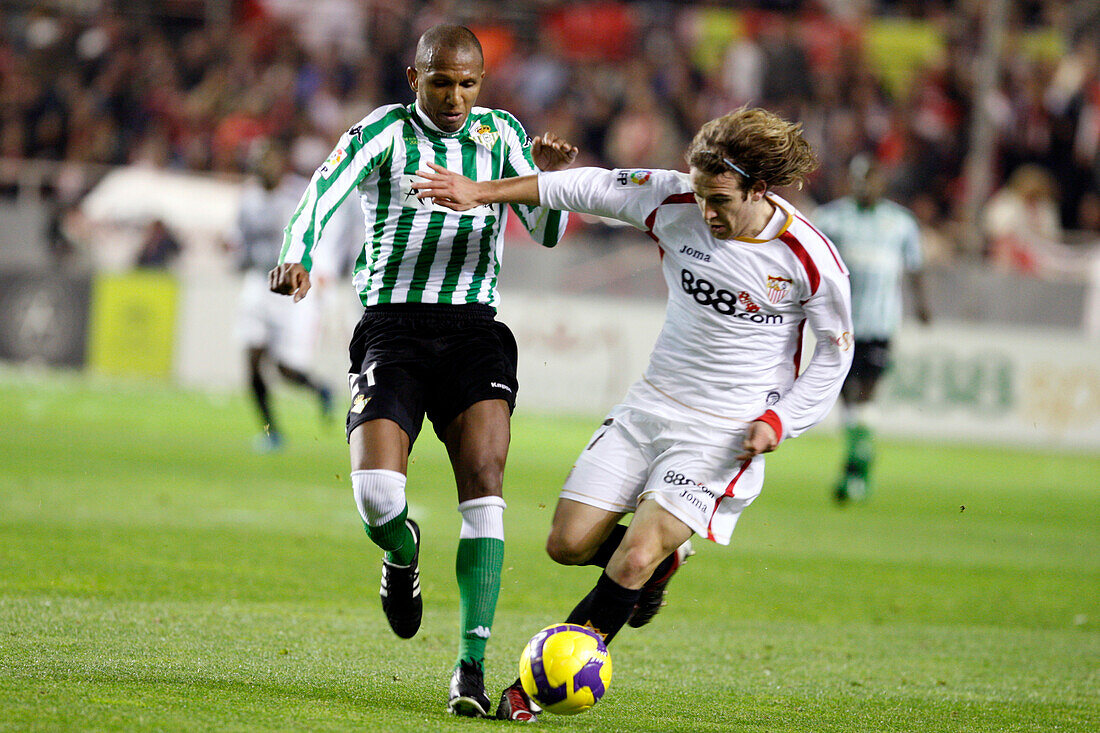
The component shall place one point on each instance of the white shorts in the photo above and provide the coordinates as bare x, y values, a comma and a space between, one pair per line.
275, 322
690, 469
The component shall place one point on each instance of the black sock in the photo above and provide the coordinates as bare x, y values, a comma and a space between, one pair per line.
299, 378
606, 609
604, 552
259, 391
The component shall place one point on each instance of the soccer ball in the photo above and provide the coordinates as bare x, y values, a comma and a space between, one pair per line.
565, 668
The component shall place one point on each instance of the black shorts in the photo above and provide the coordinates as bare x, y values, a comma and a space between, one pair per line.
408, 360
869, 360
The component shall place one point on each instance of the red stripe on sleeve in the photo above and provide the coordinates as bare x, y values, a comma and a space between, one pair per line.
804, 257
828, 244
676, 198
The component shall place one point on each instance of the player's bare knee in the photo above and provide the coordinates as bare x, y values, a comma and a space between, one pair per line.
484, 478
566, 550
634, 564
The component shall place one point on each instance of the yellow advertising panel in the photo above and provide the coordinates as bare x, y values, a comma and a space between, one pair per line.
133, 324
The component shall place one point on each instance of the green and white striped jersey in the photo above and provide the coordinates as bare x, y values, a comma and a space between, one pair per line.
879, 244
416, 251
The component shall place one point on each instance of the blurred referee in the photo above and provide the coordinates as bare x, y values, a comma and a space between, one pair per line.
428, 342
879, 240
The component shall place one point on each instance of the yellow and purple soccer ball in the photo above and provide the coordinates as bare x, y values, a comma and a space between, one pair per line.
565, 668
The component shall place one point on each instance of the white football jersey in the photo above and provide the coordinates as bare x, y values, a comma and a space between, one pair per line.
260, 220
730, 347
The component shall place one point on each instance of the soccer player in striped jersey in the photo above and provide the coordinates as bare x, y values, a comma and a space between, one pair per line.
880, 242
684, 451
428, 342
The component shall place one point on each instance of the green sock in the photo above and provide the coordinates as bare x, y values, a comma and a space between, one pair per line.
477, 567
395, 538
861, 450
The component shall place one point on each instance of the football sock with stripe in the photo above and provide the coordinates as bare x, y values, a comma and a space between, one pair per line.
477, 568
861, 450
395, 538
380, 496
606, 608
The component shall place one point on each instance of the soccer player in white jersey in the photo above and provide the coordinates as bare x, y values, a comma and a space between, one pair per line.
269, 326
746, 273
428, 342
880, 242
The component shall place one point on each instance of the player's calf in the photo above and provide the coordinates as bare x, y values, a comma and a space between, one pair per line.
653, 593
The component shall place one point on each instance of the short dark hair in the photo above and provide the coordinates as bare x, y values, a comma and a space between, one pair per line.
446, 36
755, 144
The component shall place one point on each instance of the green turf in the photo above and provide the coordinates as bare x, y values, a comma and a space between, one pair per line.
156, 574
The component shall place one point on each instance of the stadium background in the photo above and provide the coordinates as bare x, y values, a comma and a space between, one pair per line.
124, 125
115, 116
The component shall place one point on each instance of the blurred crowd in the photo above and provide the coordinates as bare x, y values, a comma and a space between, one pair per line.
193, 84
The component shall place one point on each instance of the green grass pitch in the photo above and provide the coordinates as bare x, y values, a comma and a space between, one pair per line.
156, 574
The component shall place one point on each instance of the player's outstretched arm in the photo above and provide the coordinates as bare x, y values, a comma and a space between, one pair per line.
290, 278
458, 193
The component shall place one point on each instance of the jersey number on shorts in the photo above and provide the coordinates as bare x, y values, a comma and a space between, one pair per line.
368, 374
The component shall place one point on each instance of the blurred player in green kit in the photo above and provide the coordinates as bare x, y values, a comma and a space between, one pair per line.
880, 242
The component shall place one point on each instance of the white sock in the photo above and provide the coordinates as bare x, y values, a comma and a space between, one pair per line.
379, 494
482, 517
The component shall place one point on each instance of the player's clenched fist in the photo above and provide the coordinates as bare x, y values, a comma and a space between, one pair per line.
552, 153
289, 279
761, 439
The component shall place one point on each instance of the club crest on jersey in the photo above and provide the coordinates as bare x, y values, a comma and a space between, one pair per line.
633, 177
486, 135
778, 288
